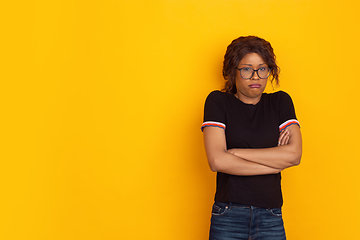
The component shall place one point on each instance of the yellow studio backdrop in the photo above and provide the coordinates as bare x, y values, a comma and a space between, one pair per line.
102, 103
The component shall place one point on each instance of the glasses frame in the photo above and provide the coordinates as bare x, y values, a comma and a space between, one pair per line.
254, 72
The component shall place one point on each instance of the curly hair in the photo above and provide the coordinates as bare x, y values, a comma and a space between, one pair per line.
237, 50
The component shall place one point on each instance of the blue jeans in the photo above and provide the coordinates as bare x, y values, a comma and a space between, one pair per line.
235, 221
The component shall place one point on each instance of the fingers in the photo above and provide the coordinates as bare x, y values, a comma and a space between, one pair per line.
284, 137
286, 140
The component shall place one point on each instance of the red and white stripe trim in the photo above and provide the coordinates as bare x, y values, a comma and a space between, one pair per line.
213, 124
288, 123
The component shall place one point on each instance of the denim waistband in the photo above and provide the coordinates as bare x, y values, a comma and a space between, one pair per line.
232, 204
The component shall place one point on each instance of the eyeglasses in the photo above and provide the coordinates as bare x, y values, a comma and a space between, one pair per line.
247, 73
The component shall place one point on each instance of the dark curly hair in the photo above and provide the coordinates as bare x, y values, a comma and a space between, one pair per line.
237, 50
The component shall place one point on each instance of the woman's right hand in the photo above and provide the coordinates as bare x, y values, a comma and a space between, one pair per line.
284, 137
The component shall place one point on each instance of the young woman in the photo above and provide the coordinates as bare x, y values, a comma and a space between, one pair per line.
250, 137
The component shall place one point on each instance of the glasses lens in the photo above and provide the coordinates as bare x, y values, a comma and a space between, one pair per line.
264, 72
246, 72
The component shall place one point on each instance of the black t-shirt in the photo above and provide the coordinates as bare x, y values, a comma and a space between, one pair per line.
250, 126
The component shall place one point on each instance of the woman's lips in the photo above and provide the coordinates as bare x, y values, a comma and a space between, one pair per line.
254, 85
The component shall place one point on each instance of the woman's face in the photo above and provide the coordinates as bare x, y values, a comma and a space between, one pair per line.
250, 90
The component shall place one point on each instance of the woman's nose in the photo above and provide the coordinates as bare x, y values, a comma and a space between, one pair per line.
255, 76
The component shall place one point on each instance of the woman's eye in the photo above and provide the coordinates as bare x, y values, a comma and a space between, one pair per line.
262, 69
247, 69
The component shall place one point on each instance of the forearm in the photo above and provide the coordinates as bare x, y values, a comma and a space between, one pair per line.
228, 163
282, 156
221, 160
277, 157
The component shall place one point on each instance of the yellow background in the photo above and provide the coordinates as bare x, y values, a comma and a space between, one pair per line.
102, 102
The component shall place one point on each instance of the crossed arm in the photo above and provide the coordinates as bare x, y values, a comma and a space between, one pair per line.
240, 161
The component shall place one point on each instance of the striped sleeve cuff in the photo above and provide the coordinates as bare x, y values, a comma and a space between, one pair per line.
288, 123
213, 124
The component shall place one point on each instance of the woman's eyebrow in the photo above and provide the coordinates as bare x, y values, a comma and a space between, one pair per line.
251, 64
